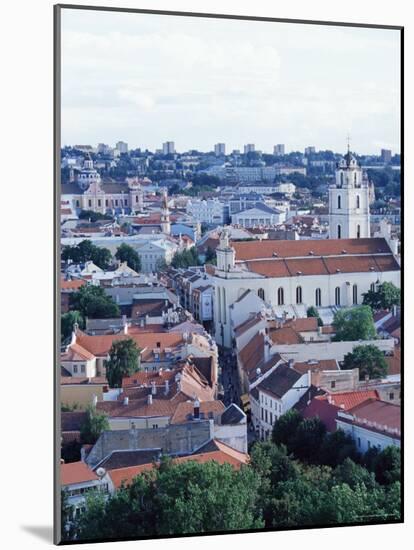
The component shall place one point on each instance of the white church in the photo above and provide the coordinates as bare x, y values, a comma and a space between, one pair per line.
290, 276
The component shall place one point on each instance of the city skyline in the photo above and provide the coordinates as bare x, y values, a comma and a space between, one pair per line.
189, 90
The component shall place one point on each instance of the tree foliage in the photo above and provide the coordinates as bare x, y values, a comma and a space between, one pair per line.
86, 251
93, 216
368, 359
313, 312
94, 424
91, 301
386, 296
354, 324
186, 258
177, 499
67, 322
124, 360
126, 253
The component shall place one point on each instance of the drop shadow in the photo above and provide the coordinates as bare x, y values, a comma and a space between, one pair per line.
42, 532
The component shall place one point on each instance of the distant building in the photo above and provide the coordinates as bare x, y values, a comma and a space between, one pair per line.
279, 150
219, 149
386, 155
310, 150
249, 148
211, 211
168, 148
122, 147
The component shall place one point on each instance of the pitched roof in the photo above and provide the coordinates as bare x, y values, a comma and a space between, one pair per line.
252, 355
232, 415
138, 408
76, 472
247, 324
75, 352
74, 284
208, 409
313, 365
248, 250
326, 412
378, 416
281, 380
101, 344
285, 335
127, 457
348, 400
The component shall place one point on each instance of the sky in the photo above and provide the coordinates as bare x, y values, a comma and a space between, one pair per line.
146, 79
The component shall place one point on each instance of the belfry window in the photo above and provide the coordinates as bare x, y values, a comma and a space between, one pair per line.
337, 296
280, 297
358, 231
299, 295
318, 297
339, 233
358, 202
339, 202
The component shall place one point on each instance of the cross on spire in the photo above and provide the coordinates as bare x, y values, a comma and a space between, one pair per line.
348, 139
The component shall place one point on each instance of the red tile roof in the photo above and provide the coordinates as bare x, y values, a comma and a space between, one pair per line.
378, 416
252, 355
185, 409
76, 472
324, 410
348, 400
248, 250
285, 335
76, 352
322, 364
71, 285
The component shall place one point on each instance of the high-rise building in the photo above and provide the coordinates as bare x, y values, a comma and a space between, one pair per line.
249, 148
386, 155
279, 149
168, 148
349, 201
310, 150
122, 147
219, 149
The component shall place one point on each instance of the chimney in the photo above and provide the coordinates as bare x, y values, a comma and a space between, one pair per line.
196, 413
126, 401
153, 388
167, 387
149, 399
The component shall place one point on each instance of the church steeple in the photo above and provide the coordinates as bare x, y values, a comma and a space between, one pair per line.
349, 200
165, 214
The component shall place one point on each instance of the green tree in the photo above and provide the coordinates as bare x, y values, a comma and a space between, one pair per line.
67, 527
124, 360
211, 257
86, 251
94, 424
285, 428
67, 322
368, 359
387, 465
386, 296
91, 301
337, 447
308, 439
313, 312
126, 253
177, 499
354, 324
93, 216
186, 258
353, 475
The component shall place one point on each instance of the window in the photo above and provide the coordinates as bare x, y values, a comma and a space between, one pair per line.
339, 202
355, 180
369, 444
116, 202
261, 410
355, 295
318, 297
155, 426
77, 204
299, 295
266, 416
106, 202
359, 442
99, 202
391, 396
372, 287
339, 231
136, 198
358, 201
75, 368
333, 384
358, 231
337, 296
271, 418
280, 296
89, 202
261, 293
342, 178
82, 368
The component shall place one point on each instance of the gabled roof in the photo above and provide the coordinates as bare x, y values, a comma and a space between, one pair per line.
280, 381
248, 250
127, 457
74, 284
76, 352
285, 335
232, 415
252, 355
378, 416
348, 400
76, 472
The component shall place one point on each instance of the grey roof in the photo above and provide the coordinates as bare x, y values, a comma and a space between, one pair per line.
232, 415
114, 187
123, 459
71, 189
281, 380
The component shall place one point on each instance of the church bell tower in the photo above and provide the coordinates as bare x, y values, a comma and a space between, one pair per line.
349, 201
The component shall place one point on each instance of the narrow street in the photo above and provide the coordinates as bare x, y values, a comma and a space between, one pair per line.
229, 377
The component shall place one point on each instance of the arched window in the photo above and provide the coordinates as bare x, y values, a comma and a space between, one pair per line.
339, 231
337, 296
358, 202
280, 297
318, 297
355, 179
355, 295
299, 295
358, 231
339, 202
342, 178
261, 293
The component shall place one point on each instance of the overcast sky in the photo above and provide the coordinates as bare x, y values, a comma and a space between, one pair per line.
146, 79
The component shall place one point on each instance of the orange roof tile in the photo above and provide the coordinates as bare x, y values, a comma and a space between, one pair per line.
76, 472
348, 400
76, 352
71, 285
184, 409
